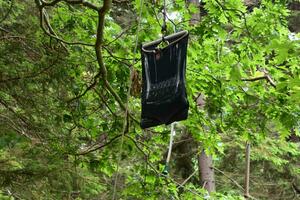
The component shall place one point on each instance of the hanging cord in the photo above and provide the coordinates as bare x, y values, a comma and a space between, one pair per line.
127, 99
172, 134
164, 25
167, 18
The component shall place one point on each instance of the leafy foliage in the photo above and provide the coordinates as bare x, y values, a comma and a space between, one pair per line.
65, 135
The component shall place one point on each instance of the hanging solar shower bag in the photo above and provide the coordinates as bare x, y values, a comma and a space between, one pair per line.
164, 98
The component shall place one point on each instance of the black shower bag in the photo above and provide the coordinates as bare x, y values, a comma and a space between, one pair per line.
164, 98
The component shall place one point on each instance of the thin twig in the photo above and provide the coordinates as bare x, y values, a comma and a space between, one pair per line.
159, 174
118, 37
33, 75
232, 180
90, 87
89, 150
4, 30
12, 37
105, 103
52, 33
8, 12
241, 14
187, 179
265, 77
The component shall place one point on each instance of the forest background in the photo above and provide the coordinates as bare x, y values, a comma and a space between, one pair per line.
70, 82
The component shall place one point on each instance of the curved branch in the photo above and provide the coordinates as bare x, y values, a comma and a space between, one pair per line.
90, 87
98, 45
98, 48
99, 147
51, 33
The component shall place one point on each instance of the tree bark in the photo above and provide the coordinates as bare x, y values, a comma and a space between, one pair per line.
206, 172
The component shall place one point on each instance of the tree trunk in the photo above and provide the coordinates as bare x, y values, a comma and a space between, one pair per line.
293, 137
205, 164
247, 172
206, 172
195, 16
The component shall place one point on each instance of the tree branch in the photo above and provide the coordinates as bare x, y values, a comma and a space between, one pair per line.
105, 103
50, 32
8, 12
4, 30
118, 37
241, 14
12, 37
91, 86
98, 45
254, 78
32, 75
88, 150
270, 80
14, 112
187, 179
178, 185
118, 58
98, 48
297, 189
73, 2
265, 77
232, 180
